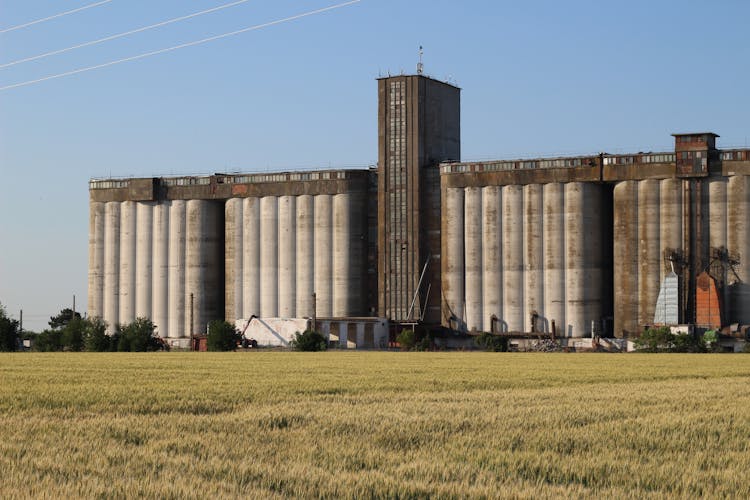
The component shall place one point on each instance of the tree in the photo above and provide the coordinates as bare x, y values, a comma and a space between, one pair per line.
48, 341
72, 334
309, 341
61, 320
492, 343
222, 336
138, 336
95, 338
8, 331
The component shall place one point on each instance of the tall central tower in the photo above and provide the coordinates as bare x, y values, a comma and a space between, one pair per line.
418, 127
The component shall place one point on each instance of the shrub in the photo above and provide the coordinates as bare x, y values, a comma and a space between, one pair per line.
48, 341
663, 340
71, 337
309, 341
8, 332
655, 340
114, 339
688, 343
222, 336
407, 339
492, 343
95, 338
138, 336
711, 340
426, 343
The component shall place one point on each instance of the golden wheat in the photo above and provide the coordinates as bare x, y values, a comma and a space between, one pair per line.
373, 424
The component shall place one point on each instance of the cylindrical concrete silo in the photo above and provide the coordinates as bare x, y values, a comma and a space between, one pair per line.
738, 244
269, 257
233, 259
355, 304
716, 206
649, 249
160, 312
323, 255
716, 209
553, 237
453, 244
513, 272
576, 234
342, 269
287, 257
492, 257
251, 257
177, 260
592, 227
670, 220
204, 263
305, 256
533, 228
626, 257
194, 269
128, 236
144, 259
111, 307
473, 257
96, 260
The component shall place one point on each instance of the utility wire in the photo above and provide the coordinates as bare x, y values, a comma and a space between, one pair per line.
126, 33
61, 14
181, 46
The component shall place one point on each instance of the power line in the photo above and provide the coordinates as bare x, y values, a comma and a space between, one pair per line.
181, 46
126, 33
61, 14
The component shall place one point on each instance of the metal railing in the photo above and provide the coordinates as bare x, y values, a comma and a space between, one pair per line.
549, 163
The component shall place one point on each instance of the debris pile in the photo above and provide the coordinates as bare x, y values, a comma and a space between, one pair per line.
545, 345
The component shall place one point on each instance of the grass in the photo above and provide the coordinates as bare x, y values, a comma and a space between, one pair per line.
373, 424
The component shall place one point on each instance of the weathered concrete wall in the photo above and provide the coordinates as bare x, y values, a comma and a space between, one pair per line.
508, 263
147, 258
154, 243
692, 220
512, 251
223, 187
281, 250
419, 126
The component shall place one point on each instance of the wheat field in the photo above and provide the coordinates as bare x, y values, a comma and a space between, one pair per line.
374, 424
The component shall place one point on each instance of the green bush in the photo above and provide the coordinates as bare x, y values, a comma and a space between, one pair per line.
67, 332
407, 339
711, 340
426, 343
309, 341
95, 338
114, 339
8, 332
71, 336
138, 336
655, 340
688, 343
492, 343
663, 340
48, 341
222, 336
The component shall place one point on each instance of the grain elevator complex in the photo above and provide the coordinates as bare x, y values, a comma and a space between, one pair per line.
601, 245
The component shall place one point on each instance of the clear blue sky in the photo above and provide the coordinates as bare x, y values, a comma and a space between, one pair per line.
538, 78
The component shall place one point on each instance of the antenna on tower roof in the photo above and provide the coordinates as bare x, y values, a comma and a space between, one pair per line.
420, 65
